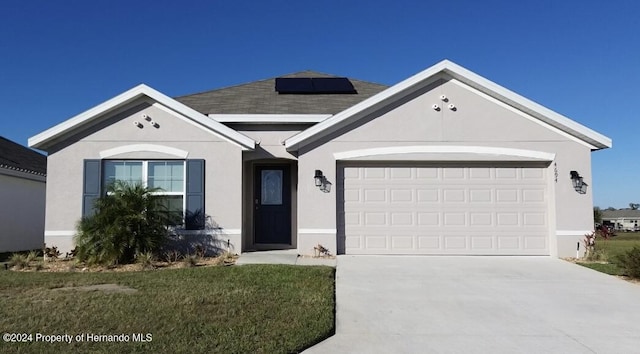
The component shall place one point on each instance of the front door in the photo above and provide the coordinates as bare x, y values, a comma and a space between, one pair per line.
272, 204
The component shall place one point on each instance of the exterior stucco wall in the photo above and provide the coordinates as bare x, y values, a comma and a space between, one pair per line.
22, 215
223, 168
269, 139
477, 120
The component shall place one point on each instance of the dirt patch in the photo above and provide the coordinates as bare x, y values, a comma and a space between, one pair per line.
317, 257
69, 265
107, 288
630, 280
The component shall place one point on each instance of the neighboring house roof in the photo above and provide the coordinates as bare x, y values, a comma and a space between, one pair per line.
623, 213
93, 115
14, 156
595, 140
260, 97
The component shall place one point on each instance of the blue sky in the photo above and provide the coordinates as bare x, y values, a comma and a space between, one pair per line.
578, 58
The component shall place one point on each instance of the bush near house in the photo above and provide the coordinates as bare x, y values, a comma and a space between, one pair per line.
613, 252
129, 220
629, 262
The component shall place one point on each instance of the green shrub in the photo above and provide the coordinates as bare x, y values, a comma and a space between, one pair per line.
128, 220
190, 260
596, 255
146, 260
630, 262
172, 256
32, 256
18, 261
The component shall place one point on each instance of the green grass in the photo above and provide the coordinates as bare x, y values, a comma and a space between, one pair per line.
608, 268
239, 309
617, 245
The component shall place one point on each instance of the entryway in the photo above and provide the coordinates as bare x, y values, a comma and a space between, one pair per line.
270, 207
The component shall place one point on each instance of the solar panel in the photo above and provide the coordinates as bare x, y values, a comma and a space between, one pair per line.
315, 85
294, 85
332, 85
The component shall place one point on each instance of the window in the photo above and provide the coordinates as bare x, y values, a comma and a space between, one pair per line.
169, 176
126, 171
182, 183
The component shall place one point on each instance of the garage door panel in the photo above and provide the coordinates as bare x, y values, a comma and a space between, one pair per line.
453, 244
482, 243
375, 173
402, 195
454, 195
448, 219
439, 210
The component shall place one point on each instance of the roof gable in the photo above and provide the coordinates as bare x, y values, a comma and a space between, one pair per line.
72, 125
16, 157
261, 97
447, 69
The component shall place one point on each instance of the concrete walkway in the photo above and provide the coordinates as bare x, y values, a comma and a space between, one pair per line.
400, 304
282, 257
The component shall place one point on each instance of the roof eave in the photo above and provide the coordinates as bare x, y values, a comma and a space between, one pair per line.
594, 139
528, 106
45, 139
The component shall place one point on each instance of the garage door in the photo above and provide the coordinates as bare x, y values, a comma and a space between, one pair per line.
443, 210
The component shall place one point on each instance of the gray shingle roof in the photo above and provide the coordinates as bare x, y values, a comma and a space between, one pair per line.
260, 97
622, 213
14, 156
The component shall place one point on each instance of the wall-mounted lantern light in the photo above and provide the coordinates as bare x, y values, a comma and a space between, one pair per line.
318, 178
321, 182
578, 184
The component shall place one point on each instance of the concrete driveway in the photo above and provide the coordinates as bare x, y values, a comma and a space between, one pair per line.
400, 304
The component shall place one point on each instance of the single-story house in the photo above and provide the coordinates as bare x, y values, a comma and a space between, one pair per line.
22, 194
444, 162
623, 219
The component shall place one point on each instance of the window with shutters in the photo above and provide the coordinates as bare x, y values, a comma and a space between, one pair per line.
180, 182
167, 176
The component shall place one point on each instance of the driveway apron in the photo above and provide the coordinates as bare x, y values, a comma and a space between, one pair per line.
477, 304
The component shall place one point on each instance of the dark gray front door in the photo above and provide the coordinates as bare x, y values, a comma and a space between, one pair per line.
272, 204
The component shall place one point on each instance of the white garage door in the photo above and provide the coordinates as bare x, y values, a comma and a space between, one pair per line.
444, 210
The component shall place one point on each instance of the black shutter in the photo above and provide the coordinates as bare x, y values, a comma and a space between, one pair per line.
195, 215
90, 186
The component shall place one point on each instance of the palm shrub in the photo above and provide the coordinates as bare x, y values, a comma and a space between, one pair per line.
128, 220
18, 261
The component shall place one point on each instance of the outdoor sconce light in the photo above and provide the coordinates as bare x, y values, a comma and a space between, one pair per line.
318, 178
322, 182
578, 184
326, 186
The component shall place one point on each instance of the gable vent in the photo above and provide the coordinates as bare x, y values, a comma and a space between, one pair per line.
314, 85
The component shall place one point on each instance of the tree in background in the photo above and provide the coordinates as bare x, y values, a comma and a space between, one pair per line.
597, 215
634, 206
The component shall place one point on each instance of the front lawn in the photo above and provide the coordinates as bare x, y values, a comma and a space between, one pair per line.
617, 245
238, 309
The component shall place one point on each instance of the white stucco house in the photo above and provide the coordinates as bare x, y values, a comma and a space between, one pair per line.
623, 219
22, 197
444, 162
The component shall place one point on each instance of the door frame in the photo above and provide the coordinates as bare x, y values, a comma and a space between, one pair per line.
251, 169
